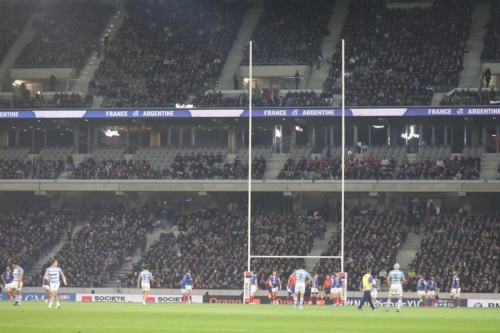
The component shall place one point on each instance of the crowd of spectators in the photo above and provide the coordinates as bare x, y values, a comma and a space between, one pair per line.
165, 50
29, 234
442, 169
57, 101
392, 63
371, 239
66, 35
290, 32
463, 243
213, 246
470, 97
206, 167
31, 169
100, 247
327, 168
290, 99
13, 19
491, 49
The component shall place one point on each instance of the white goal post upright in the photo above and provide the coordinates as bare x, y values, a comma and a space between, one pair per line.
247, 275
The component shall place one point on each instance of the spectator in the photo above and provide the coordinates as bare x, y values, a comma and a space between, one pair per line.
31, 169
491, 49
487, 77
13, 19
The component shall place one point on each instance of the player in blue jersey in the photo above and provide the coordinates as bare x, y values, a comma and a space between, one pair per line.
46, 287
431, 291
16, 286
276, 285
395, 280
144, 280
302, 279
7, 278
455, 290
188, 281
315, 288
53, 273
254, 288
183, 291
338, 289
422, 290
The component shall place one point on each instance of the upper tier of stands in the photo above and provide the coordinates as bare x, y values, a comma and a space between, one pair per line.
165, 50
465, 97
466, 244
29, 234
290, 32
12, 18
66, 35
491, 50
391, 62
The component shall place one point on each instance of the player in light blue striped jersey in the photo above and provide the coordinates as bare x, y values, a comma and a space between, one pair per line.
144, 279
395, 279
53, 273
302, 279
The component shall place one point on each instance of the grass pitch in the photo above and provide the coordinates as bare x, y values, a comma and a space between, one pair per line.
132, 317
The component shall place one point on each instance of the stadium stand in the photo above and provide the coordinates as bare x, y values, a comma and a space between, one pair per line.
290, 32
56, 101
13, 19
217, 256
111, 234
370, 239
32, 233
491, 50
462, 243
66, 35
303, 98
470, 97
389, 62
165, 51
434, 162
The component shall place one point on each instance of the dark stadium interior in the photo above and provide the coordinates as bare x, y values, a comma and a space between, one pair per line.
126, 128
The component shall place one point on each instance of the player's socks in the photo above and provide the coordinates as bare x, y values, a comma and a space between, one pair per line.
190, 299
399, 305
433, 302
301, 302
251, 299
387, 305
50, 304
294, 303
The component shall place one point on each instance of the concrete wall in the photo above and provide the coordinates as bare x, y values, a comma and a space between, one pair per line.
273, 71
40, 73
494, 66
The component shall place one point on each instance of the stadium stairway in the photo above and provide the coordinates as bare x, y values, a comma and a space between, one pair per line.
489, 166
24, 38
37, 267
320, 246
151, 238
469, 78
235, 55
410, 247
112, 27
274, 165
335, 25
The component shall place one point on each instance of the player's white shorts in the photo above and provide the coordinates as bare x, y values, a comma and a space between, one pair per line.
431, 293
183, 291
16, 285
146, 286
7, 286
455, 292
54, 286
374, 293
314, 290
421, 293
274, 290
253, 289
300, 288
189, 288
46, 287
396, 290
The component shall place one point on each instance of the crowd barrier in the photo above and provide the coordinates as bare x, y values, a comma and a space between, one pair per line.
40, 297
136, 298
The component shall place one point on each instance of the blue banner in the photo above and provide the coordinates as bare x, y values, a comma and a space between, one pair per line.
258, 113
40, 297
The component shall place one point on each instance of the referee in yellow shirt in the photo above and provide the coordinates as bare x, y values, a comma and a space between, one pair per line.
365, 286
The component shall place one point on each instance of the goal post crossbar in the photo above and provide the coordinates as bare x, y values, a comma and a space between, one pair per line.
299, 257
